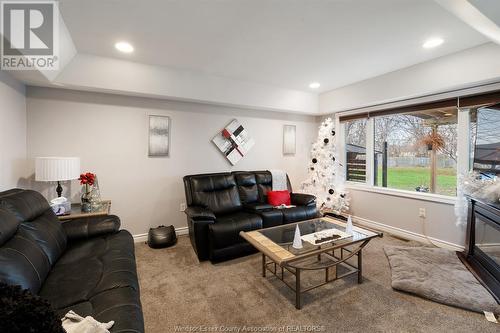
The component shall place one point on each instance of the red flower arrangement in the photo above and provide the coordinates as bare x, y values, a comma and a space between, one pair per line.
87, 179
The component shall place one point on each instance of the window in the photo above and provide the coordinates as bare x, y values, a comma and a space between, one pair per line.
417, 151
487, 141
415, 147
355, 158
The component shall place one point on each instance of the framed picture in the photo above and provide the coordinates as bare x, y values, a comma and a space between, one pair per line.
233, 141
288, 139
159, 136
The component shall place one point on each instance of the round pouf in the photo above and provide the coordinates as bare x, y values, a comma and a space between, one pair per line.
162, 237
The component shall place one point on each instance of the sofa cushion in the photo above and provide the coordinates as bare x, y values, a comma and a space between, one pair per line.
299, 213
122, 305
264, 181
38, 221
271, 218
103, 263
226, 229
8, 226
23, 263
247, 187
217, 192
26, 205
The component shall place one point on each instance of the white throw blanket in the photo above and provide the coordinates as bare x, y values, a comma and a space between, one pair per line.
279, 180
74, 323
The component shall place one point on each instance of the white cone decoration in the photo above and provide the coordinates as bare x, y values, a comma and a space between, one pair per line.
348, 227
297, 241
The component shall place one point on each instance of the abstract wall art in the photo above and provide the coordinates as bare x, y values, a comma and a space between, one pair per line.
288, 139
234, 141
159, 136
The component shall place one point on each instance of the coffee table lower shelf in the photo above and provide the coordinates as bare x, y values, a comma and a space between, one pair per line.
323, 261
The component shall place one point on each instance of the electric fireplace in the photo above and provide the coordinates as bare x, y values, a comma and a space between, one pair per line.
482, 247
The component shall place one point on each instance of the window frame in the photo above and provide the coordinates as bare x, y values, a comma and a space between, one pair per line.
463, 151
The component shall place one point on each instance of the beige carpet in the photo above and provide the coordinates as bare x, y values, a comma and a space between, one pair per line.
178, 291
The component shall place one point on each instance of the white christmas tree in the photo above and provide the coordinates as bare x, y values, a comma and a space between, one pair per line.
326, 175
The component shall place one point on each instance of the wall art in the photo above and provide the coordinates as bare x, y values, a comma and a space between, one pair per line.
159, 136
289, 139
234, 141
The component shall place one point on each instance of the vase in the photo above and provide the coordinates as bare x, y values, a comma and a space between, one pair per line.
86, 198
95, 196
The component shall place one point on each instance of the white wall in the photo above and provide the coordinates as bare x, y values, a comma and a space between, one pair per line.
110, 134
397, 212
12, 132
462, 69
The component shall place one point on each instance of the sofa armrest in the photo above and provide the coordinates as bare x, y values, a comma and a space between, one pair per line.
302, 199
87, 227
198, 234
198, 213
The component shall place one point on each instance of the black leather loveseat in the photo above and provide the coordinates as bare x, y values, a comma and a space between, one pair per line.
220, 205
86, 265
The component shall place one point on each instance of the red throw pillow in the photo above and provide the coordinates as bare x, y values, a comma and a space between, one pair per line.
276, 198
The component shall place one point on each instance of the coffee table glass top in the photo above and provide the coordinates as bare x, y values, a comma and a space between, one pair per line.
323, 227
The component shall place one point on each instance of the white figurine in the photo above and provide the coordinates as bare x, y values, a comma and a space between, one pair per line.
348, 227
297, 241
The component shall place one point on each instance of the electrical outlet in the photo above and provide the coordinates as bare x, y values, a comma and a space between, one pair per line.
183, 206
422, 213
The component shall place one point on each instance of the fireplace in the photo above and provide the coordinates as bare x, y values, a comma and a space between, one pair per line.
482, 247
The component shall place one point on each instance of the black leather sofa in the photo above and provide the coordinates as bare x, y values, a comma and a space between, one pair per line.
220, 205
86, 265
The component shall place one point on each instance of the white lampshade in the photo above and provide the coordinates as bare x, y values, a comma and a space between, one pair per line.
57, 168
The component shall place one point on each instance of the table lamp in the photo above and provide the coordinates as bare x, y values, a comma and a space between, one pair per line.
57, 169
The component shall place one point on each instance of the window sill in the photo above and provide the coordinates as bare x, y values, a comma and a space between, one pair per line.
402, 193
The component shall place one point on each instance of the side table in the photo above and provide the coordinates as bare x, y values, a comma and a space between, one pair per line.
76, 211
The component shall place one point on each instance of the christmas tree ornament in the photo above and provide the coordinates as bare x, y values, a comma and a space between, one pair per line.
297, 241
326, 174
331, 191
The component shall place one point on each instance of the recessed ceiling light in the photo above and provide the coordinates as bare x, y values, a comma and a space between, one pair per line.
314, 85
433, 42
124, 47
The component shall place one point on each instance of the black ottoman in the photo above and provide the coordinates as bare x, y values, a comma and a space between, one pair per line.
162, 237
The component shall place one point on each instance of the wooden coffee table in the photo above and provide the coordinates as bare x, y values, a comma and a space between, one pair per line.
276, 244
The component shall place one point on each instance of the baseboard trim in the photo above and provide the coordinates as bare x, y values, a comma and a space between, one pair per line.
139, 238
407, 234
366, 222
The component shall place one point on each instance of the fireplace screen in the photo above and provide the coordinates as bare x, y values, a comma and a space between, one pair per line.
487, 239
